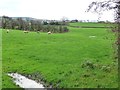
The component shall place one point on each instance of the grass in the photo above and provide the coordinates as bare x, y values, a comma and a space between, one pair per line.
0, 59
88, 24
57, 59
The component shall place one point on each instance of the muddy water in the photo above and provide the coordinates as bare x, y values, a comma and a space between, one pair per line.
24, 82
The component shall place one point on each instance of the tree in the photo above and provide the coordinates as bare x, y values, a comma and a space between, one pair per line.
109, 5
5, 21
106, 5
64, 19
21, 24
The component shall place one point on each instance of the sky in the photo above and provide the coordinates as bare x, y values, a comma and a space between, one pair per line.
52, 9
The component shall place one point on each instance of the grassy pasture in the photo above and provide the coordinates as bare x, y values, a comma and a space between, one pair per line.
93, 24
57, 59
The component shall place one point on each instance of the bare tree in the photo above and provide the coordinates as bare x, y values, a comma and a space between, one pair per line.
109, 5
106, 5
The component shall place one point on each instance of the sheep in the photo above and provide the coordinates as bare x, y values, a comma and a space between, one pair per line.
25, 31
8, 31
49, 32
38, 31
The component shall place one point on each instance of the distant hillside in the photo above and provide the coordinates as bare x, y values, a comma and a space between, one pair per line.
24, 18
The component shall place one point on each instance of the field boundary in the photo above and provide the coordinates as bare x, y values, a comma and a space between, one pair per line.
89, 26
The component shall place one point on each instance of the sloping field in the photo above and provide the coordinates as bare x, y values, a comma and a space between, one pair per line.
83, 57
92, 24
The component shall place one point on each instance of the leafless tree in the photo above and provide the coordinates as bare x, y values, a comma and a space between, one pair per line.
109, 5
98, 7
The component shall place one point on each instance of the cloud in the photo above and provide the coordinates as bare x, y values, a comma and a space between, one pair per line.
47, 9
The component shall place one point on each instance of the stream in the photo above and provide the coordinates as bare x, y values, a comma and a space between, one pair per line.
24, 82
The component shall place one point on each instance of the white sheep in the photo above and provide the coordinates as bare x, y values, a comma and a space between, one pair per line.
8, 31
49, 32
38, 31
25, 31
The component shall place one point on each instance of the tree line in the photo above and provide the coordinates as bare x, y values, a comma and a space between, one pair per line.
34, 25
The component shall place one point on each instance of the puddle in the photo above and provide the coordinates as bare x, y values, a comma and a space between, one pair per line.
92, 36
24, 82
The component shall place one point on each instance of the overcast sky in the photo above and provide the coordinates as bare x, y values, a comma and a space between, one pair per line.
51, 9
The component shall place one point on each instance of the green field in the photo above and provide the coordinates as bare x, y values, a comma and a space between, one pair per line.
61, 59
94, 24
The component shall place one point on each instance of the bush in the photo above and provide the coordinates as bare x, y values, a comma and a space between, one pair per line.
34, 25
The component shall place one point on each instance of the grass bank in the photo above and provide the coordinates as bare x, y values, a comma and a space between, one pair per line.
70, 59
